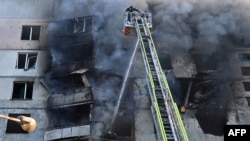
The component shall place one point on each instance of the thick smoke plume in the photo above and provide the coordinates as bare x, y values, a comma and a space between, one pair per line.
195, 26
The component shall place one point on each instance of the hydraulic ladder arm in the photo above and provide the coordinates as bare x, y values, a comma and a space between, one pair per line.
168, 123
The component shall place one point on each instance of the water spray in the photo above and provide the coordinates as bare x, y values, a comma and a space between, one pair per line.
123, 87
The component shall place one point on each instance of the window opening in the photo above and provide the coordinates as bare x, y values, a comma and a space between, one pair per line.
246, 86
79, 25
244, 57
245, 71
248, 100
88, 24
22, 90
26, 61
30, 32
14, 127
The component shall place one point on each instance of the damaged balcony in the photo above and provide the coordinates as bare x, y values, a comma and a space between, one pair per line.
70, 101
69, 121
66, 100
74, 89
67, 133
70, 107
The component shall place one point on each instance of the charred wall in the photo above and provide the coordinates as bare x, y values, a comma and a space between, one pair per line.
71, 48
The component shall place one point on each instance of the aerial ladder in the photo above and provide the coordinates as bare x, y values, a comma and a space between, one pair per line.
167, 119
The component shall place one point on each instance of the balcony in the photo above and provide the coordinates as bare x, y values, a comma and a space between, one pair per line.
67, 132
74, 99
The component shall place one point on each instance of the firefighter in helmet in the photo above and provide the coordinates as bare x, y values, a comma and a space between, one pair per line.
131, 9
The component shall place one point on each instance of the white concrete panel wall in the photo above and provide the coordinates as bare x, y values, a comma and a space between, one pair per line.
6, 86
10, 45
8, 61
9, 74
11, 30
38, 114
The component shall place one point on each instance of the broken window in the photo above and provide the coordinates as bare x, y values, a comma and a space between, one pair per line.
244, 57
245, 71
246, 86
83, 24
30, 32
14, 127
79, 26
22, 90
26, 61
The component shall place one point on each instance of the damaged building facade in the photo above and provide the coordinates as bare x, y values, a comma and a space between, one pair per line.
48, 72
27, 62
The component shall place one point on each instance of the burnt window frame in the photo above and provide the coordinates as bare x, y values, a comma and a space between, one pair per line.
27, 91
25, 63
13, 127
30, 32
82, 24
79, 25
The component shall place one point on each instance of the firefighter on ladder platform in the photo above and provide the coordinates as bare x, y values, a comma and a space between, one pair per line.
132, 9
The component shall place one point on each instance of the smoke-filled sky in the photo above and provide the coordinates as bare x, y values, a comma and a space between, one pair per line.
178, 25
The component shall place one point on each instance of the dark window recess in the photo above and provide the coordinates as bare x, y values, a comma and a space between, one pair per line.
88, 25
21, 61
22, 90
68, 27
246, 86
30, 32
26, 61
244, 57
25, 33
82, 25
248, 100
14, 127
245, 71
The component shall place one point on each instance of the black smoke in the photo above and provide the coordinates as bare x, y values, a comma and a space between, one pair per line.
208, 30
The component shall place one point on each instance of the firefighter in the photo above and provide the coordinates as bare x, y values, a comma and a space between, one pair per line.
131, 9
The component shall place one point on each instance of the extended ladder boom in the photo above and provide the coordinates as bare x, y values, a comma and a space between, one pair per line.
168, 122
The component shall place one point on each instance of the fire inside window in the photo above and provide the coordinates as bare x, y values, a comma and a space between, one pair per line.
26, 61
30, 32
22, 90
82, 25
13, 127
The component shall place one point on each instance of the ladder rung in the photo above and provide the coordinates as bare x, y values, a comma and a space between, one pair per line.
168, 131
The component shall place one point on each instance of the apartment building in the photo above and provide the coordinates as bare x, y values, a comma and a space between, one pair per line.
24, 60
48, 72
25, 63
